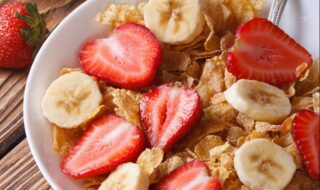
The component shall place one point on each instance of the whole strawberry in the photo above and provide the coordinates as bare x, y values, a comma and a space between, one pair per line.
22, 31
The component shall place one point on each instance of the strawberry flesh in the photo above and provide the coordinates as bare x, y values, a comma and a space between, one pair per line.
263, 52
190, 176
305, 130
108, 142
128, 58
168, 113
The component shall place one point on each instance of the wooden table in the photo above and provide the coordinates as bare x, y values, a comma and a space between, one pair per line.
18, 170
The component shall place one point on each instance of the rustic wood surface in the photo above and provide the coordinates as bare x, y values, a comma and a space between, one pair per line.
17, 167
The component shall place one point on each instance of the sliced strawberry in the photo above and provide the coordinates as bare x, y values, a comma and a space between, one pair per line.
305, 130
108, 142
128, 58
167, 113
263, 52
190, 176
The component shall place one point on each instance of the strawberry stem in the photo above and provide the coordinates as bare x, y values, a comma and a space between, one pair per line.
37, 32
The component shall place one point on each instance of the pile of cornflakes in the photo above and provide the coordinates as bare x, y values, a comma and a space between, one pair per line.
200, 65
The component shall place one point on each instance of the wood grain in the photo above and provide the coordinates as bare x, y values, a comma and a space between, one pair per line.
18, 171
12, 83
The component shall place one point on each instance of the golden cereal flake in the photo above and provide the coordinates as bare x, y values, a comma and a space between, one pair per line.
234, 133
193, 70
174, 60
266, 127
116, 15
211, 81
289, 89
205, 145
150, 159
227, 41
310, 84
301, 102
64, 139
127, 105
242, 10
229, 79
69, 70
246, 122
93, 183
216, 151
294, 152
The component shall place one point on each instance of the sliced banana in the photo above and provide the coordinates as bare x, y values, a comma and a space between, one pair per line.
128, 176
263, 165
71, 99
174, 21
258, 100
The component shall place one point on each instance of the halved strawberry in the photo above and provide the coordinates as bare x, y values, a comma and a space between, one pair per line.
128, 58
262, 51
190, 176
305, 130
167, 113
108, 142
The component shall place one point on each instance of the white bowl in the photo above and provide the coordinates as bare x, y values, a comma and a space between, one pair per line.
61, 49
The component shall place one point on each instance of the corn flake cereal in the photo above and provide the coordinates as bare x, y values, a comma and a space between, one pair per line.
127, 105
203, 147
150, 159
211, 81
64, 139
116, 15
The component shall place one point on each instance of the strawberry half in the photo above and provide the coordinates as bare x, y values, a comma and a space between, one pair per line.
128, 58
167, 113
262, 51
190, 176
305, 131
108, 142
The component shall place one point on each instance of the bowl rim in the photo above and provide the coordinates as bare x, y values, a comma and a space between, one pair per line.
27, 94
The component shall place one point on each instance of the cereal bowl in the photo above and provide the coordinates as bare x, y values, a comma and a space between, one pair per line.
61, 50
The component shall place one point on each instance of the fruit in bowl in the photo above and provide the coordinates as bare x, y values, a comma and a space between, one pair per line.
160, 112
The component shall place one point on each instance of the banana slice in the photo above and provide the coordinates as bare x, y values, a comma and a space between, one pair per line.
128, 176
258, 100
263, 165
174, 21
71, 99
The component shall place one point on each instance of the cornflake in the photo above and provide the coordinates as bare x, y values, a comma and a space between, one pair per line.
127, 105
234, 133
299, 103
264, 127
64, 139
203, 147
216, 151
246, 122
115, 15
150, 159
173, 60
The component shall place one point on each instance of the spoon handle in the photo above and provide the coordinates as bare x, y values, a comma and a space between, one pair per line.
276, 10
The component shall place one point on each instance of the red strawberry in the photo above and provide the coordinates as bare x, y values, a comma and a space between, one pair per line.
263, 52
129, 58
107, 143
305, 130
167, 113
22, 31
190, 176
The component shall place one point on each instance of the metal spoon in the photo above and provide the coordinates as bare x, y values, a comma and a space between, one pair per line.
276, 10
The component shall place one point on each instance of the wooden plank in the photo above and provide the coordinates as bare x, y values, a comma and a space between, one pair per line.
19, 171
12, 83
